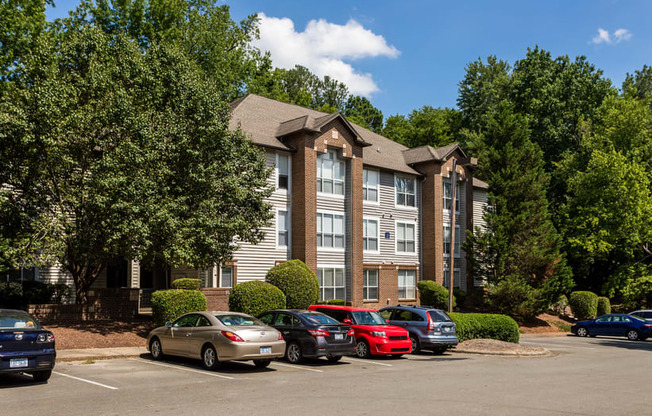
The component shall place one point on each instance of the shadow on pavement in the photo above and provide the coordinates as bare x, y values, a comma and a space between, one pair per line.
17, 380
231, 367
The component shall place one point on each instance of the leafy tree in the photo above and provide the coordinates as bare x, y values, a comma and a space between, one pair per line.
426, 126
520, 248
639, 85
360, 111
126, 152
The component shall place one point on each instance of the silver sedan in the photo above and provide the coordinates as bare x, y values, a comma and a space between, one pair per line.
216, 337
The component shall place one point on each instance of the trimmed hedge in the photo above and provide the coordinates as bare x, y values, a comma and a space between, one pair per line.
14, 295
583, 304
433, 294
604, 306
255, 298
185, 283
340, 302
485, 325
298, 283
168, 305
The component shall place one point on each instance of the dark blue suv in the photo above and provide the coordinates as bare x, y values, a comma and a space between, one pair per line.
429, 328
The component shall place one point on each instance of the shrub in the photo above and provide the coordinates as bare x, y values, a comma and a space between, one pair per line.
168, 305
584, 304
340, 302
485, 325
37, 292
459, 295
256, 298
188, 284
297, 282
515, 297
11, 295
433, 294
604, 306
559, 307
60, 292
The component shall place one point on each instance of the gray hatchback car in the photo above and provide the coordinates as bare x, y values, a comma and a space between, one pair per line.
429, 328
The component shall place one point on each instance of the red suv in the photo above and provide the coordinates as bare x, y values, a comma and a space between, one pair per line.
373, 335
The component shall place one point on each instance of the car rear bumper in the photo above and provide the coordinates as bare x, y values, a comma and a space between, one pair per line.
439, 341
241, 351
321, 348
39, 360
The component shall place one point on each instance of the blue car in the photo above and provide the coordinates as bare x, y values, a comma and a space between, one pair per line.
617, 325
25, 346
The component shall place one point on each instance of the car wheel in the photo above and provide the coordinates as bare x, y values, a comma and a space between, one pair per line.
155, 348
439, 351
334, 358
582, 332
362, 349
42, 376
633, 335
262, 363
416, 346
209, 358
293, 353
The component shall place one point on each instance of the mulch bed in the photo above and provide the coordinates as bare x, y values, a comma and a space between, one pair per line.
544, 324
492, 346
101, 334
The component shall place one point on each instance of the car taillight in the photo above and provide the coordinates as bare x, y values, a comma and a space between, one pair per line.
431, 323
280, 336
45, 338
318, 333
350, 333
232, 336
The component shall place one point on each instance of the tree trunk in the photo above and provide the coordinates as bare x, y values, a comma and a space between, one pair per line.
84, 276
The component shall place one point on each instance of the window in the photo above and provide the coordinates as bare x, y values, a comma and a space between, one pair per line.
448, 196
370, 235
370, 181
282, 233
330, 230
267, 319
185, 321
330, 174
203, 321
405, 191
386, 313
226, 277
283, 171
407, 283
405, 238
447, 275
331, 283
447, 241
370, 285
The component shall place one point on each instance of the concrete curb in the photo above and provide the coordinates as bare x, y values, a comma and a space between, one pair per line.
512, 353
99, 353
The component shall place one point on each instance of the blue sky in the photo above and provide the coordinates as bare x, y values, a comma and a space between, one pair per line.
407, 54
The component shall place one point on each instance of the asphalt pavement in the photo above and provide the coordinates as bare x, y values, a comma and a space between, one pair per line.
582, 376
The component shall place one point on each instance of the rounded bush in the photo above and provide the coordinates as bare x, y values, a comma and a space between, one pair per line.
255, 298
168, 305
559, 307
584, 304
185, 283
340, 302
604, 306
485, 325
433, 294
296, 281
459, 295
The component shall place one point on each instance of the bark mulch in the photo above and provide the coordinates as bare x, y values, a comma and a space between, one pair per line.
101, 334
492, 346
546, 324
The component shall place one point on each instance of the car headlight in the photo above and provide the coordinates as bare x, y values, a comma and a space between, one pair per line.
379, 334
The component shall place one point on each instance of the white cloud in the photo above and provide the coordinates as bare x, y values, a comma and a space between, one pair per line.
603, 36
324, 48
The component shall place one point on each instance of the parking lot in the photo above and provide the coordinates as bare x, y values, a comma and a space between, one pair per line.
582, 376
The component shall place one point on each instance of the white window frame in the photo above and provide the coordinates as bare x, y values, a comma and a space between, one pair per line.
405, 253
458, 203
414, 288
288, 226
456, 271
377, 221
222, 276
458, 241
365, 186
277, 173
321, 267
335, 159
333, 213
366, 286
403, 206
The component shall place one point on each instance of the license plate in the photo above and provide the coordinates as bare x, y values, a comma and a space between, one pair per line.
339, 336
18, 363
265, 350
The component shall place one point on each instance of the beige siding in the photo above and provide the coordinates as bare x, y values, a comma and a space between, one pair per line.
460, 261
479, 208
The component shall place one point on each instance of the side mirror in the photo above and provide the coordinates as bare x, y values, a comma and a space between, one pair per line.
168, 324
347, 321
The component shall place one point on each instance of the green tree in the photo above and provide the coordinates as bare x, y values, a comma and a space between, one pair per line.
426, 126
639, 84
126, 152
520, 247
360, 111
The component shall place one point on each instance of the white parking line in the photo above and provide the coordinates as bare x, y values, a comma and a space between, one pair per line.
297, 367
176, 367
368, 362
86, 381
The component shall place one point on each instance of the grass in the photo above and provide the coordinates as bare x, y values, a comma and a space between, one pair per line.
563, 326
89, 361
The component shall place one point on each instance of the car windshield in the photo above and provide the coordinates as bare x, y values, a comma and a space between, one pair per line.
16, 320
238, 320
318, 319
439, 316
368, 318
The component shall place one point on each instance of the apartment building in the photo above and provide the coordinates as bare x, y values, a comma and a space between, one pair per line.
369, 216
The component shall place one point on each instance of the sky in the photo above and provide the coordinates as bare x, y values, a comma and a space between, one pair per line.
405, 54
